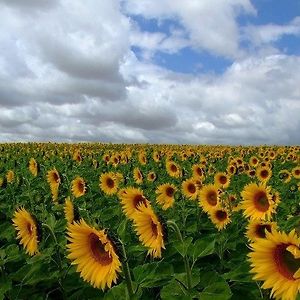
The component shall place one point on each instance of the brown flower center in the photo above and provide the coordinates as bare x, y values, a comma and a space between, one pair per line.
221, 215
261, 201
285, 262
173, 168
110, 183
264, 174
98, 250
223, 179
55, 177
139, 199
260, 230
297, 172
212, 198
254, 161
154, 229
199, 171
29, 228
80, 186
170, 191
191, 188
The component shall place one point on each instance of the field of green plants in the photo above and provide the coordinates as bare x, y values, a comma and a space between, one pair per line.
108, 221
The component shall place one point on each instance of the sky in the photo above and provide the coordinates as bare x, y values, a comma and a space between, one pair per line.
150, 71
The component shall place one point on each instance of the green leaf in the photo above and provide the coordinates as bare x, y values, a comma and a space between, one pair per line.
153, 274
240, 274
203, 247
182, 247
174, 290
5, 286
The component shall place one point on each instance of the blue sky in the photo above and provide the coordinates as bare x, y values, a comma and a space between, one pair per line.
150, 71
195, 61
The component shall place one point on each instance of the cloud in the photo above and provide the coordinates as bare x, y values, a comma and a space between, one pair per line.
261, 35
210, 25
67, 73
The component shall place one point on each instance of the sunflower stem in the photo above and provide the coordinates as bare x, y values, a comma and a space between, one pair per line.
174, 226
127, 273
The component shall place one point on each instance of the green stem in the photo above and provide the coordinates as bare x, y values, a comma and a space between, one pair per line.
127, 273
174, 226
58, 256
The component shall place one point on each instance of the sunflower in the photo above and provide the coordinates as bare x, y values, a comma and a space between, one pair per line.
276, 261
109, 183
71, 211
3, 182
257, 201
10, 176
251, 173
150, 230
78, 187
142, 158
53, 177
94, 254
77, 156
151, 176
263, 173
29, 231
156, 156
198, 171
131, 198
257, 229
190, 189
137, 175
33, 167
208, 197
296, 172
173, 169
285, 176
222, 180
165, 195
231, 169
219, 216
254, 161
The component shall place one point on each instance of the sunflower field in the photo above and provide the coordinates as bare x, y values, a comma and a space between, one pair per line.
119, 221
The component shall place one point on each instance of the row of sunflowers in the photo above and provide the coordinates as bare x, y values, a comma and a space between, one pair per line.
108, 221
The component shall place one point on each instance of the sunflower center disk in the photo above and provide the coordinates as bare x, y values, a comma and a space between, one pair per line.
98, 251
170, 192
81, 187
261, 202
264, 174
223, 179
191, 188
154, 229
139, 199
110, 183
212, 198
173, 168
221, 215
29, 228
260, 230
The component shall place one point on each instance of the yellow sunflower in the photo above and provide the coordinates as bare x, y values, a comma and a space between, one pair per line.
254, 161
276, 261
257, 229
173, 169
165, 195
10, 176
150, 230
151, 176
78, 187
142, 158
257, 201
109, 183
190, 189
94, 254
263, 173
131, 198
33, 167
71, 211
137, 175
208, 197
222, 180
29, 231
53, 177
220, 217
296, 172
198, 171
285, 176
